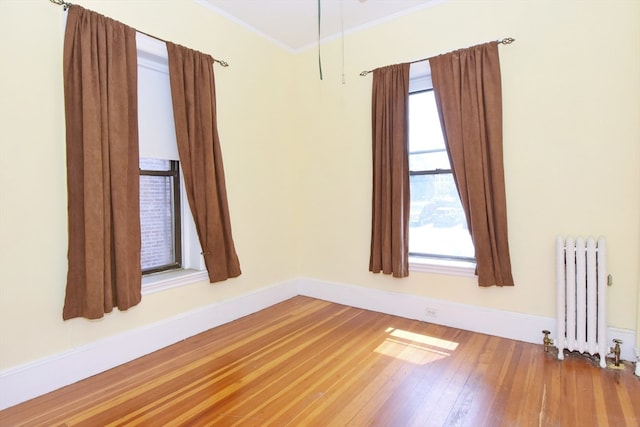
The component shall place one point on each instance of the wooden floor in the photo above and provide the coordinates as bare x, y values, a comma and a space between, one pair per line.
307, 362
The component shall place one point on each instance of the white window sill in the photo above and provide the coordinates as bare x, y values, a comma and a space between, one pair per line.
442, 266
171, 279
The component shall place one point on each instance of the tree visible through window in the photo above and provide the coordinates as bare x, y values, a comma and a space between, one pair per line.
438, 227
160, 223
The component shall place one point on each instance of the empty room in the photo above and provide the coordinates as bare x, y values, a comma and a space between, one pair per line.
320, 212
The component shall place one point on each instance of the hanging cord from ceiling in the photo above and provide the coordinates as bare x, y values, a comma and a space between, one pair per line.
342, 29
506, 40
319, 51
320, 38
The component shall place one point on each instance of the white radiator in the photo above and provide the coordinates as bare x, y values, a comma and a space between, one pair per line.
581, 280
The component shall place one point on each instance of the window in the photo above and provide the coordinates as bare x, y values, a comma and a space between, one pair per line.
160, 221
171, 254
437, 228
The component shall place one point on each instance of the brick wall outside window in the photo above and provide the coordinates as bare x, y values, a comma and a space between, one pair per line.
156, 218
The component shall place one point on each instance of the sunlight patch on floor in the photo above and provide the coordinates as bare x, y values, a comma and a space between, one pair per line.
415, 348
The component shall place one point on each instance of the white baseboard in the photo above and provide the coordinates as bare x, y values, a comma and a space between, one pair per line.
27, 381
512, 325
490, 321
24, 382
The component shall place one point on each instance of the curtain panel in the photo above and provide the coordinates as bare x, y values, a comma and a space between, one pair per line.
100, 85
390, 199
468, 92
194, 108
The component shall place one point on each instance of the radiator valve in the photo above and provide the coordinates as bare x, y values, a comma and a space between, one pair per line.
616, 351
546, 340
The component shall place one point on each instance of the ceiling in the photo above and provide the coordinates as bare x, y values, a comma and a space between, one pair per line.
293, 24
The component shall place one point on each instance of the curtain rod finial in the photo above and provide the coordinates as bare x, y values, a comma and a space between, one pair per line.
507, 40
62, 3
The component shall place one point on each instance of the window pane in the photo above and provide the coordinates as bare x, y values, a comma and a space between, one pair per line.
424, 123
437, 221
438, 227
155, 164
156, 221
429, 161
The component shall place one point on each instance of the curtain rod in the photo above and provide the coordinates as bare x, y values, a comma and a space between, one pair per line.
65, 5
506, 40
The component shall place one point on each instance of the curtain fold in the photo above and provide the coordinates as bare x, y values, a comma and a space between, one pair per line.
468, 92
390, 200
194, 108
100, 84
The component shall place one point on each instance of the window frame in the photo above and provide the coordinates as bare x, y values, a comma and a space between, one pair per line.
152, 55
420, 81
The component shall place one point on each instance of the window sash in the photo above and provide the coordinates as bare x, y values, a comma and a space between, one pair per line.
174, 174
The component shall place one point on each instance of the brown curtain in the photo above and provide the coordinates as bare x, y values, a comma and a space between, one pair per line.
468, 94
194, 109
390, 201
100, 83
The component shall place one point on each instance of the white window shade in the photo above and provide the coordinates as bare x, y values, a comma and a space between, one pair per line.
420, 76
156, 128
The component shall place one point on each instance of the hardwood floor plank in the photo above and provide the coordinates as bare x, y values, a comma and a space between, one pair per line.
426, 385
535, 393
599, 401
333, 385
264, 373
307, 362
456, 370
397, 359
386, 414
507, 385
410, 393
332, 360
332, 409
479, 391
628, 399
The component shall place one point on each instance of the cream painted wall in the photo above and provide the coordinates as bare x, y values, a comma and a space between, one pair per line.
258, 144
297, 155
571, 89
